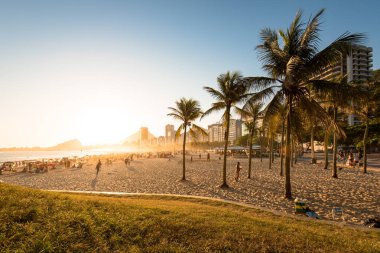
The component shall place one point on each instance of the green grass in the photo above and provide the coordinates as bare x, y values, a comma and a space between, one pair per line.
38, 221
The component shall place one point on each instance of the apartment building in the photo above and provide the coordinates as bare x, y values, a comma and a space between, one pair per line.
356, 65
216, 131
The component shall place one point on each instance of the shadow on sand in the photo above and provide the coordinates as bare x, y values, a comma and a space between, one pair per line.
93, 182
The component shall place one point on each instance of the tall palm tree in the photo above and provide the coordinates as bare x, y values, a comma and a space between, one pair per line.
368, 102
292, 58
231, 90
250, 113
187, 110
272, 125
337, 98
281, 110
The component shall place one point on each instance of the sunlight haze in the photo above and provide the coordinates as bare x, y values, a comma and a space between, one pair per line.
97, 71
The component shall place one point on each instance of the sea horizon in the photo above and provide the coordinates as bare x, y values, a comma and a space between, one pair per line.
14, 156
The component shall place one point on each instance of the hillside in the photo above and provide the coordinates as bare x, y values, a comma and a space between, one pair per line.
68, 145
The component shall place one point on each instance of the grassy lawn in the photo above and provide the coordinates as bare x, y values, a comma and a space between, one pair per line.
38, 221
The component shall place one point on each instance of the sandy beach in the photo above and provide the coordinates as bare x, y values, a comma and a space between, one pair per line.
356, 193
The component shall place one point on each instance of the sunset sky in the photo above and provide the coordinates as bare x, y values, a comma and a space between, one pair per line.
99, 70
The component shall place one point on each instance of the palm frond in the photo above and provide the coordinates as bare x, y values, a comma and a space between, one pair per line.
178, 132
218, 106
214, 93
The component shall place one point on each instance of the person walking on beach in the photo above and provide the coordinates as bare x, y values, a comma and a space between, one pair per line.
126, 161
208, 156
98, 165
238, 168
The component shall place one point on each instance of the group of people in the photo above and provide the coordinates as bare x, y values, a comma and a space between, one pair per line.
350, 158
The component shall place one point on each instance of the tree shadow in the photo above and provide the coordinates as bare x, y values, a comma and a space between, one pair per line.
132, 169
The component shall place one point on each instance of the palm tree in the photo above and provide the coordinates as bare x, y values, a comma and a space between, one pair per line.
367, 104
187, 110
250, 113
292, 59
231, 90
281, 110
336, 98
273, 125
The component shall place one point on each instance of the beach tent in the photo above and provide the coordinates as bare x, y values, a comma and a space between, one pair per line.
236, 148
256, 147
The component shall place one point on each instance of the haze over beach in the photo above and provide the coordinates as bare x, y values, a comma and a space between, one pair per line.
97, 71
189, 126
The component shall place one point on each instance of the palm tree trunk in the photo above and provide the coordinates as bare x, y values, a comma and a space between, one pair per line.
313, 159
282, 149
250, 153
270, 152
326, 139
183, 155
292, 151
334, 171
261, 146
288, 187
365, 146
225, 185
272, 143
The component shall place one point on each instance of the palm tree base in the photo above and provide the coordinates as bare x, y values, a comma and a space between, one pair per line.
334, 176
224, 186
183, 179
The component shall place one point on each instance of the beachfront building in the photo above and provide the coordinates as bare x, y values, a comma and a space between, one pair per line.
169, 134
357, 66
161, 140
144, 135
216, 131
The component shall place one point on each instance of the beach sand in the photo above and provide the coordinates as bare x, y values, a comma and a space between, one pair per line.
356, 193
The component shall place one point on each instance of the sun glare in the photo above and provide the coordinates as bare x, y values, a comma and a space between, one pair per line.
103, 124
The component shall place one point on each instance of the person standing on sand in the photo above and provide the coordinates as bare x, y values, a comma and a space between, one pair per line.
98, 165
238, 168
208, 156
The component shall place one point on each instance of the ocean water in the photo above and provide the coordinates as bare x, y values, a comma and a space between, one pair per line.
36, 155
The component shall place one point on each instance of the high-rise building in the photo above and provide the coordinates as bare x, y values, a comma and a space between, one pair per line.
235, 130
144, 135
356, 65
216, 131
169, 134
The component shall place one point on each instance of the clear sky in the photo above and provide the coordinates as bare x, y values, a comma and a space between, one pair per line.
99, 70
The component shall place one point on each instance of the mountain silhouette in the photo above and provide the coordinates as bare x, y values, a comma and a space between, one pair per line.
134, 138
68, 145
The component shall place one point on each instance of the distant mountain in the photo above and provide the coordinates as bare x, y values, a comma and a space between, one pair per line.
68, 145
136, 137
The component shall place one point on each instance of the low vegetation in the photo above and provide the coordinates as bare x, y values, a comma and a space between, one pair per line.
39, 221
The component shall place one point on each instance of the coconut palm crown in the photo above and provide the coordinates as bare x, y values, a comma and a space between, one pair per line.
187, 111
292, 59
230, 91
